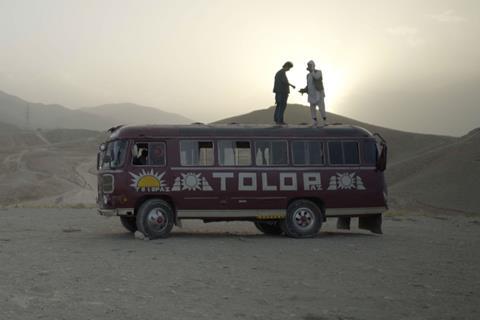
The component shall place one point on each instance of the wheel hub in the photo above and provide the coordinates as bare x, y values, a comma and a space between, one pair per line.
303, 217
156, 219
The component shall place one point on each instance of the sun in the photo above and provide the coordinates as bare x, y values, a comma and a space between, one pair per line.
191, 181
147, 181
346, 180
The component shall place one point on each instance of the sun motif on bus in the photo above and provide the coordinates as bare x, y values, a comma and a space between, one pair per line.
346, 181
191, 181
147, 181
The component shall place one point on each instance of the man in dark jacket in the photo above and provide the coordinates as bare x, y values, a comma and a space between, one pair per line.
281, 89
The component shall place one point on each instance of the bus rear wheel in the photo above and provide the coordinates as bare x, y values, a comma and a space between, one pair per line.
155, 218
269, 227
303, 219
129, 223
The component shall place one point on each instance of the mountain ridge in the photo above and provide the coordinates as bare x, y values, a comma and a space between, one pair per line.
25, 114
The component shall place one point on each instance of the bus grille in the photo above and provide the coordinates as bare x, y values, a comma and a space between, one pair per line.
107, 183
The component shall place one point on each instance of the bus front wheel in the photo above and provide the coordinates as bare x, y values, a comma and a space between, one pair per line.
129, 223
303, 219
269, 227
155, 218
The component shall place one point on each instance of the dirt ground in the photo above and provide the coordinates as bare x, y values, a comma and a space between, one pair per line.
73, 264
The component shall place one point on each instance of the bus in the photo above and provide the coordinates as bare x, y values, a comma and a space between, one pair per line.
285, 179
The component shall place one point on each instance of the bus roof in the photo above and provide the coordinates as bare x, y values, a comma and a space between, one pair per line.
237, 130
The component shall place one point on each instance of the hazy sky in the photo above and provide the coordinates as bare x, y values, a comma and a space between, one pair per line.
213, 59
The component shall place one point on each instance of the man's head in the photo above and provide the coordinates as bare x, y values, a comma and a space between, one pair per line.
310, 65
287, 66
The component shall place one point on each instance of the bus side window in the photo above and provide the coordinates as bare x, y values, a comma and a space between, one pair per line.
262, 153
370, 152
308, 153
140, 154
345, 152
335, 152
234, 153
196, 153
350, 152
157, 154
271, 153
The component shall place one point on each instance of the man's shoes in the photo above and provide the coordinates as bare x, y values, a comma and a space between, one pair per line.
282, 123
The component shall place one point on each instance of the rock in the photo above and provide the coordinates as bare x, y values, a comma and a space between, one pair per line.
139, 236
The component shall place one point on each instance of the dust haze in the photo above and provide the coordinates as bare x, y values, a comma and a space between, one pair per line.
411, 66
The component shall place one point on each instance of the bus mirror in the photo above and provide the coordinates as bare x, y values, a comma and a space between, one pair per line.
102, 147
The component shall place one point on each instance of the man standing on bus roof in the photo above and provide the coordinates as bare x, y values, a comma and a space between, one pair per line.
316, 92
281, 88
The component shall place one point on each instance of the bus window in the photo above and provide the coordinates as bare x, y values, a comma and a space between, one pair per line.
271, 153
140, 154
196, 153
345, 152
234, 153
335, 152
307, 153
148, 154
116, 151
350, 152
370, 152
157, 154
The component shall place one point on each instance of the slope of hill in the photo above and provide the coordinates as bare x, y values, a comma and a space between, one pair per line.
24, 114
123, 113
402, 145
21, 113
443, 179
12, 137
47, 167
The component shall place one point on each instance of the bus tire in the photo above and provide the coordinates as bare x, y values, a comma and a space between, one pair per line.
129, 223
303, 219
155, 219
269, 227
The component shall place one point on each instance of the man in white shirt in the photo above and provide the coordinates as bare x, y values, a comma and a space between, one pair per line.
316, 92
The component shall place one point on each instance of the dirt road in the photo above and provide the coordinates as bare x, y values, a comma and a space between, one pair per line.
73, 264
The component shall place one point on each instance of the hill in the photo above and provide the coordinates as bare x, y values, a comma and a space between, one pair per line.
47, 167
21, 113
130, 113
443, 179
24, 114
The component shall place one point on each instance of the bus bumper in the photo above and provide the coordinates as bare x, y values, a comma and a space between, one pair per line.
115, 212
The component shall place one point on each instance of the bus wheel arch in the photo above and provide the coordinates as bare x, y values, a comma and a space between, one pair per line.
159, 197
129, 223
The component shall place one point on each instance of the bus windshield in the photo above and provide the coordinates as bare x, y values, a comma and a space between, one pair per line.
114, 155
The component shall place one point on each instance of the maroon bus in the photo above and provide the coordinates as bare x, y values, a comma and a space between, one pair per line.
286, 179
